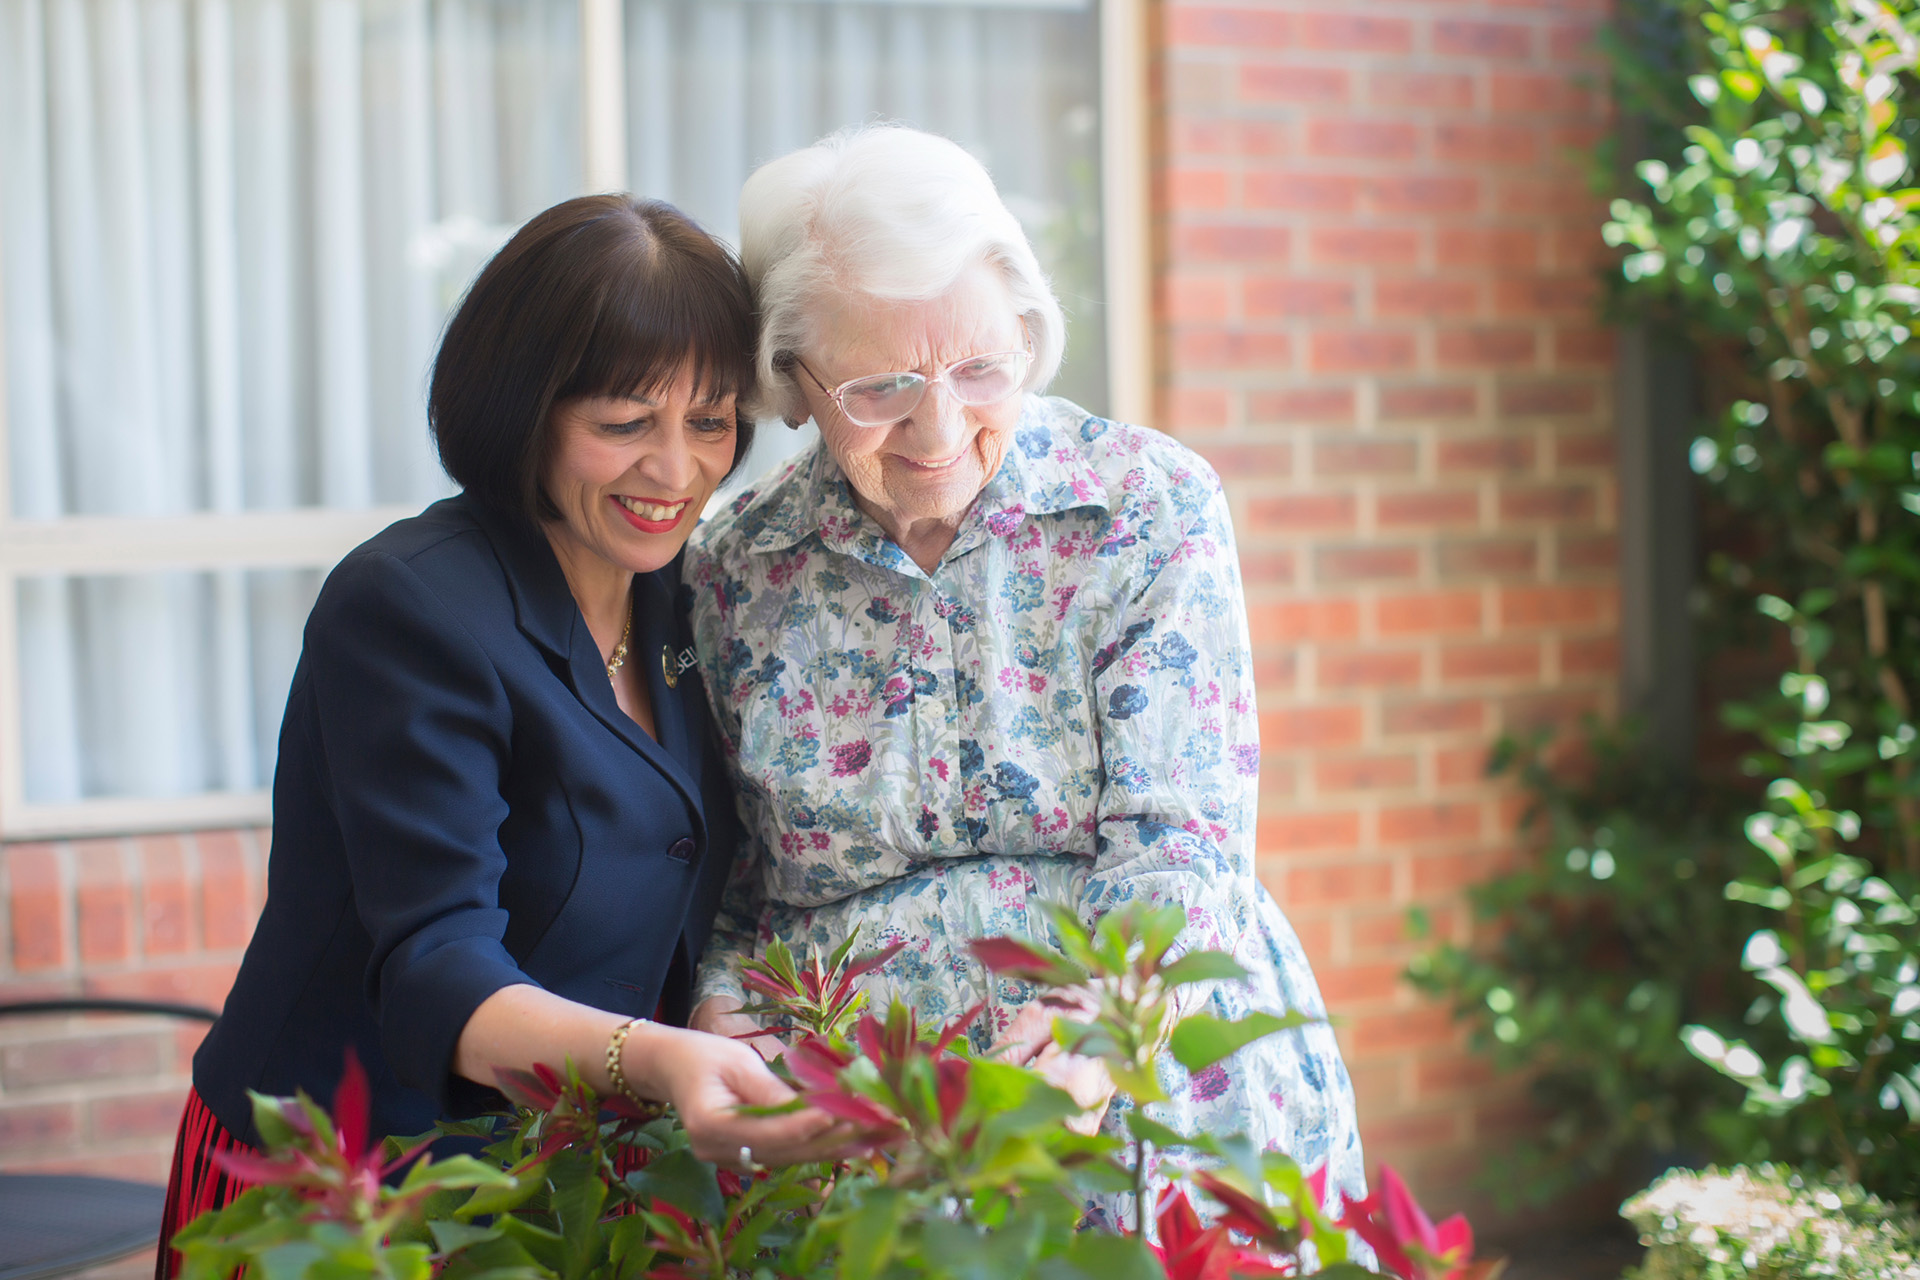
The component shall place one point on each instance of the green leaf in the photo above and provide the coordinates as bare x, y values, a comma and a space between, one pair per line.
867, 1243
448, 1236
1202, 1039
683, 1181
1202, 966
1095, 1255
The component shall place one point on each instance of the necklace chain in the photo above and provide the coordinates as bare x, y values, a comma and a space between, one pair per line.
620, 650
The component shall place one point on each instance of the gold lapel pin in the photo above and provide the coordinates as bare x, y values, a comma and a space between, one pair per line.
668, 667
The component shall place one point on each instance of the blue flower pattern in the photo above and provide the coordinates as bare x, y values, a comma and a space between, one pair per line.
1094, 579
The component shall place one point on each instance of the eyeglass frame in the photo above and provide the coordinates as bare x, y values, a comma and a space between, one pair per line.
939, 375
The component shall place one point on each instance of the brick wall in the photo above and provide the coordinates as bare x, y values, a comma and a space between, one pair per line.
1376, 300
154, 918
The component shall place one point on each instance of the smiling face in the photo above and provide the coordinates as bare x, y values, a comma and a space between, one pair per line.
630, 476
919, 475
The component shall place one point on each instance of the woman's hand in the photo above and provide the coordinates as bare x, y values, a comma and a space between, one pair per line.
707, 1078
1029, 1042
721, 1016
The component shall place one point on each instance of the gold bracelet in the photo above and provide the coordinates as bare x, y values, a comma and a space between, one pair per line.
615, 1045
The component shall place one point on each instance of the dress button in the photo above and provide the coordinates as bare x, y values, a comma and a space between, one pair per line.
681, 850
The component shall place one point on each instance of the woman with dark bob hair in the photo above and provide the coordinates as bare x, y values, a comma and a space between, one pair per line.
501, 824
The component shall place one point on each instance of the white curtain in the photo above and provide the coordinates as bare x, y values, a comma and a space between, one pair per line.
230, 231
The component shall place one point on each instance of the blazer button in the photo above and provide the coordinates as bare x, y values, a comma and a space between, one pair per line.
681, 850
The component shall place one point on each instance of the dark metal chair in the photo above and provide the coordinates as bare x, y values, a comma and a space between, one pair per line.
58, 1224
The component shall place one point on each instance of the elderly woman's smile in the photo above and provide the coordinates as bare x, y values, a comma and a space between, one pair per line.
918, 476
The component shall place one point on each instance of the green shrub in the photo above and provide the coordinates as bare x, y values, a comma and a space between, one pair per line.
1769, 1223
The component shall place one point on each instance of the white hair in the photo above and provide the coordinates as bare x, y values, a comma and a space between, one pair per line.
884, 212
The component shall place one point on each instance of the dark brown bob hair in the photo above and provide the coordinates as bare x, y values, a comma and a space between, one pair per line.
601, 295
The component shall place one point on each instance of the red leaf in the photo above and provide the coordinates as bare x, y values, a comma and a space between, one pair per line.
953, 1029
253, 1169
766, 986
351, 1103
1015, 959
951, 1075
524, 1088
1243, 1213
873, 960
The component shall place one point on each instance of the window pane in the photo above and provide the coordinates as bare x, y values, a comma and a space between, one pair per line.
156, 685
232, 230
717, 87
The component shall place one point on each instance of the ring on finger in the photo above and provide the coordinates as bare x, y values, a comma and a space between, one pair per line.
748, 1164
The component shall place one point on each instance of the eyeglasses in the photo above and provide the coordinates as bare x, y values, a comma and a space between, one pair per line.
881, 399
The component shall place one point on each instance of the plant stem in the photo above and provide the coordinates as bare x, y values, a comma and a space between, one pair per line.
1140, 1188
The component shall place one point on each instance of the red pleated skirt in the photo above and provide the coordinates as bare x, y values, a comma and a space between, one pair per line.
197, 1183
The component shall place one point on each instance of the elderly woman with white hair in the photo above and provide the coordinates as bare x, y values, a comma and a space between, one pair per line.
977, 649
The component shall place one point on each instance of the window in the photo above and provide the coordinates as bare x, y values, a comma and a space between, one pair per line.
231, 231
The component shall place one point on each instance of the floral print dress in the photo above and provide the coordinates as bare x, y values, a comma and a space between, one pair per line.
1063, 709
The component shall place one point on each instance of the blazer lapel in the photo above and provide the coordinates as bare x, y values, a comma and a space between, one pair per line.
547, 614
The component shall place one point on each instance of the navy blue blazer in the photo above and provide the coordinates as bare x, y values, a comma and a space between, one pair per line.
460, 805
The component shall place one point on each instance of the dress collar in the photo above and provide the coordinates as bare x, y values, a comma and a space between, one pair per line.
1044, 472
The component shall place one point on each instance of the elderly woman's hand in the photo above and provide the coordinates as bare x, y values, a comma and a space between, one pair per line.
709, 1079
1029, 1042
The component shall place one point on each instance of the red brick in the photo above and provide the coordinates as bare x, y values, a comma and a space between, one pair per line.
1595, 449
1369, 668
1307, 85
1267, 568
94, 1056
1573, 43
1499, 660
1242, 459
1311, 728
1229, 26
1506, 247
1424, 91
1529, 295
226, 913
1595, 554
1511, 454
1460, 766
154, 1114
1195, 188
1231, 349
1499, 347
1583, 347
1537, 95
1427, 507
1434, 715
1426, 297
1564, 194
1194, 408
1349, 139
1289, 832
1297, 512
1361, 351
1556, 606
1429, 400
1424, 823
1424, 195
1301, 404
1212, 136
1451, 1074
1558, 709
1598, 656
1357, 983
1185, 297
105, 899
1275, 672
38, 907
1231, 242
1291, 621
1354, 33
1297, 296
32, 1125
1373, 932
1487, 144
1428, 613
1339, 882
1482, 39
1365, 563
1365, 455
1278, 778
1557, 502
1364, 246
166, 902
1488, 557
1560, 396
1401, 1032
1303, 192
1366, 773
204, 984
1450, 873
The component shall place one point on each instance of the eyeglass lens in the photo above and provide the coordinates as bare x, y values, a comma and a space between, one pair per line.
889, 397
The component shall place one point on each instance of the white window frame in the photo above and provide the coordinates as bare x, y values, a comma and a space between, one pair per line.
318, 538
